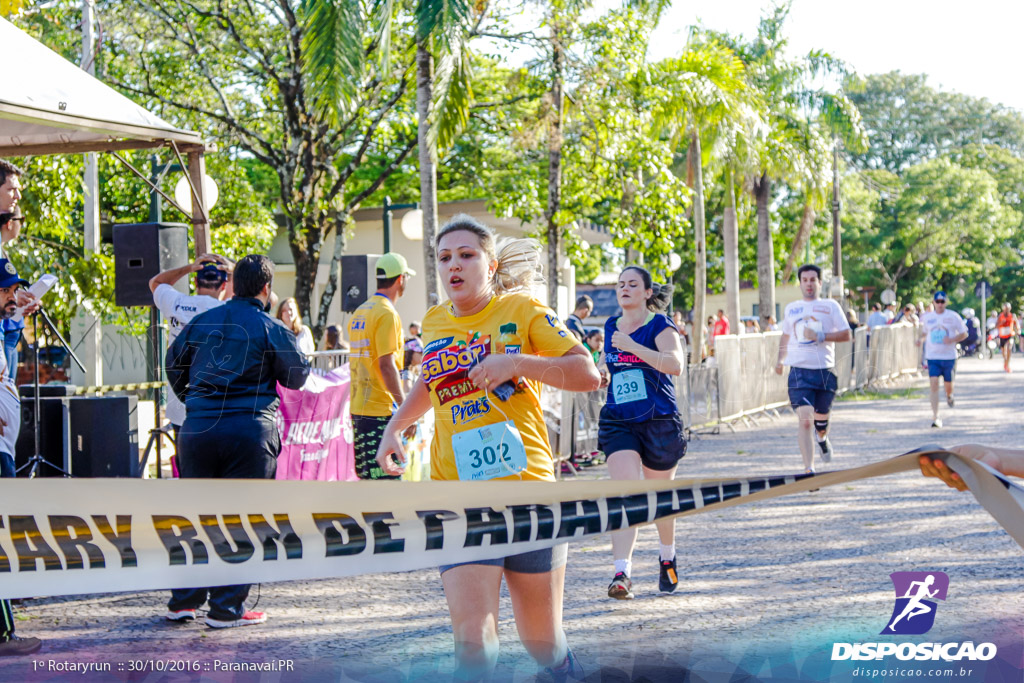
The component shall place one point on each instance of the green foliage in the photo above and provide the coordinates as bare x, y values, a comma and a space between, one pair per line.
938, 222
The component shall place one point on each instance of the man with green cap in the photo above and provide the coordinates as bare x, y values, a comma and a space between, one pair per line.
375, 333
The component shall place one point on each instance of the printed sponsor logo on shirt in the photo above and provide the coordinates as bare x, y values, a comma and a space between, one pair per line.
623, 358
438, 344
453, 388
821, 309
359, 323
556, 323
453, 359
470, 410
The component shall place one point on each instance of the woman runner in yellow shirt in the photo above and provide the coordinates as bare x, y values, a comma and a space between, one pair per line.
486, 353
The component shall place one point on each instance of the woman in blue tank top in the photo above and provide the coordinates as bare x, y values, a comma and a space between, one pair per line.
640, 429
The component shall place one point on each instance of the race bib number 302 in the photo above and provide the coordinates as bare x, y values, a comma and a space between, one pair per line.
489, 452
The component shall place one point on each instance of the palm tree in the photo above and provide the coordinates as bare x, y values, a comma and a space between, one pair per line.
797, 117
335, 47
705, 93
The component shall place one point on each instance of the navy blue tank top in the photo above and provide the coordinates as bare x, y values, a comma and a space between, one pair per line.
637, 391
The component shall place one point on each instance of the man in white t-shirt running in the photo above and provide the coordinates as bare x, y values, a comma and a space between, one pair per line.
941, 329
810, 329
213, 287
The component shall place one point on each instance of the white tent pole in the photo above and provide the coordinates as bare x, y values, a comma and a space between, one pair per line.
93, 359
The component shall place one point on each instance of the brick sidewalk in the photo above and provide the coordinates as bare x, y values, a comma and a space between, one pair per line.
782, 574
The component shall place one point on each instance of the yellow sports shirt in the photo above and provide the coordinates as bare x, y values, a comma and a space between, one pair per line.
510, 324
374, 331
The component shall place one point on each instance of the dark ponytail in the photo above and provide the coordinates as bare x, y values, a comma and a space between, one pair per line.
661, 295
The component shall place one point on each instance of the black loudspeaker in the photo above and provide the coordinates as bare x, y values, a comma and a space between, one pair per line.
142, 251
358, 280
105, 436
54, 435
26, 391
89, 436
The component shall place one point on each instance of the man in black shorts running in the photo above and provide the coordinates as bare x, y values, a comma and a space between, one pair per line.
810, 329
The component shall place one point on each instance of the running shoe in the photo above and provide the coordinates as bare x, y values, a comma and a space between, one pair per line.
181, 615
668, 580
570, 670
16, 646
937, 423
826, 449
247, 619
950, 401
621, 587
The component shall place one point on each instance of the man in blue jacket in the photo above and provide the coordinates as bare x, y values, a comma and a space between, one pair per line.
225, 365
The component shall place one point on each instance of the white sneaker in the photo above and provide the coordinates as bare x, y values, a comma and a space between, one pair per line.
950, 401
826, 450
937, 423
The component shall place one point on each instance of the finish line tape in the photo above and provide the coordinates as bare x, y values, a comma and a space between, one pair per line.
68, 537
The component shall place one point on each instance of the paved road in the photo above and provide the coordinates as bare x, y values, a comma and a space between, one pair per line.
764, 586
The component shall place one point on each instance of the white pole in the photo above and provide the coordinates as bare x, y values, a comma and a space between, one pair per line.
85, 323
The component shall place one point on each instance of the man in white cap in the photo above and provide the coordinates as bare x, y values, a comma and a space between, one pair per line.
375, 333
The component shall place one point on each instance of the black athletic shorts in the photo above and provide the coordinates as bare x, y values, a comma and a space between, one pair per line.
367, 431
660, 441
812, 387
1003, 341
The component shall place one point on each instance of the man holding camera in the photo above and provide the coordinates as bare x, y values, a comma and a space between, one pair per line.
213, 286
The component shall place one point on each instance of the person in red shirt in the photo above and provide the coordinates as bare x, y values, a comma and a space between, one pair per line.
721, 324
1008, 328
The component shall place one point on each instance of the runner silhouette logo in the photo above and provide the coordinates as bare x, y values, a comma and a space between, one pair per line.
916, 593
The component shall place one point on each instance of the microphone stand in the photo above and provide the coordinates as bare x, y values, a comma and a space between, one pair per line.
33, 464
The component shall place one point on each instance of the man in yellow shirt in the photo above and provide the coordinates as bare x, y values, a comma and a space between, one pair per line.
375, 333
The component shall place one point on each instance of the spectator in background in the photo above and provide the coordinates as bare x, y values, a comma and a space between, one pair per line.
890, 313
288, 313
594, 343
584, 307
751, 327
721, 323
772, 324
877, 318
412, 352
851, 318
684, 338
12, 221
333, 340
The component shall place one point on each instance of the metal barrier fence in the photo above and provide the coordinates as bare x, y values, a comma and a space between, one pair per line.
741, 381
325, 361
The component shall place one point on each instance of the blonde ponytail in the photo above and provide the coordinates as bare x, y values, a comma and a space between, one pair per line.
519, 266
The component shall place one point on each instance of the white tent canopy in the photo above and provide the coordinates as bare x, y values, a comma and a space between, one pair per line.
50, 106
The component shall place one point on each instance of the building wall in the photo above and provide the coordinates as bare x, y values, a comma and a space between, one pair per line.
368, 238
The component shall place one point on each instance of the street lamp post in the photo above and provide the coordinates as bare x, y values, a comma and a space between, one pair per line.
388, 208
837, 244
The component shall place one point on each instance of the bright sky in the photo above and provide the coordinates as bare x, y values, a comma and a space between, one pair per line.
970, 47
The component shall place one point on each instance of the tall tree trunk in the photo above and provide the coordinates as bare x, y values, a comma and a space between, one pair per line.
555, 161
803, 233
700, 257
731, 241
765, 250
428, 171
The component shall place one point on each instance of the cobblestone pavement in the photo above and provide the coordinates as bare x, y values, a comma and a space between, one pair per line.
770, 577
